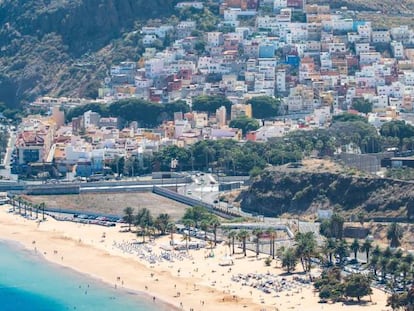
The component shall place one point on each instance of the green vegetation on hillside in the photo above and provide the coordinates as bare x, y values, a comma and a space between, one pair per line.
64, 47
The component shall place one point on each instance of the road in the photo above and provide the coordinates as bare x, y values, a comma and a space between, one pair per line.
6, 173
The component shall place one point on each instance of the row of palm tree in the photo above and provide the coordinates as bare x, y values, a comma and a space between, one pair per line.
27, 207
341, 249
258, 234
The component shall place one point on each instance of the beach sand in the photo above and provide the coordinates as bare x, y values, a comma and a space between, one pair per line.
193, 281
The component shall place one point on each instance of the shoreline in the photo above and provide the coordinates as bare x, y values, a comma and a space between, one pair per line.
125, 292
193, 280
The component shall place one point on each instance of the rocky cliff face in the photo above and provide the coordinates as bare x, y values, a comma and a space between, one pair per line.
41, 39
273, 193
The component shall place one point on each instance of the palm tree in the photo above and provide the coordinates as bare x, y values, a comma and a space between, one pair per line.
383, 263
337, 225
387, 253
329, 248
393, 268
204, 224
257, 233
12, 202
394, 235
37, 210
25, 208
19, 202
171, 228
29, 206
305, 248
243, 236
232, 235
43, 205
272, 237
186, 237
143, 219
404, 268
188, 223
215, 223
366, 247
342, 251
162, 221
374, 264
398, 254
408, 259
129, 216
377, 251
355, 248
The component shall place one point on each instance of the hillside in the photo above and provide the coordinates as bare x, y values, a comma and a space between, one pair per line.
279, 191
63, 46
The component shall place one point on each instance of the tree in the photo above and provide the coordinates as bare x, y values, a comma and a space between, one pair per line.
264, 107
348, 117
394, 234
289, 259
362, 105
210, 103
333, 228
404, 268
366, 247
397, 301
355, 248
144, 220
357, 285
171, 228
186, 237
393, 267
337, 226
243, 236
329, 248
272, 237
361, 218
245, 124
374, 264
305, 248
204, 224
215, 223
43, 206
232, 235
196, 214
129, 216
162, 221
383, 263
37, 206
342, 251
398, 129
257, 233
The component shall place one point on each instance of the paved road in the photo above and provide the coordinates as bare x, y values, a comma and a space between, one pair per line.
10, 146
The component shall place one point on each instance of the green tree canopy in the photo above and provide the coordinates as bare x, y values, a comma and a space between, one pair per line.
362, 105
264, 107
210, 103
398, 129
357, 286
245, 124
348, 117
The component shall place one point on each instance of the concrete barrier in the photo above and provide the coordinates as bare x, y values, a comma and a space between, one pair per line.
191, 202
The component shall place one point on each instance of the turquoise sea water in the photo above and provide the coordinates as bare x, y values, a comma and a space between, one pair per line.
28, 282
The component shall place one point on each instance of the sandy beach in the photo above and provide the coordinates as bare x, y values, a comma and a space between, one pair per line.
188, 281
